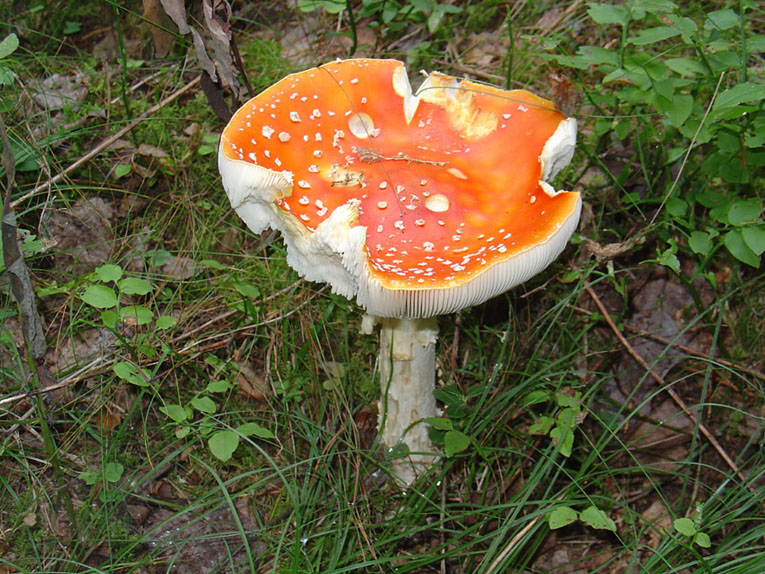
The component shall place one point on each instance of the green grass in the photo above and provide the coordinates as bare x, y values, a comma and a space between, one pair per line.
124, 487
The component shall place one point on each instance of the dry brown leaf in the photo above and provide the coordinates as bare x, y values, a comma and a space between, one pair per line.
163, 41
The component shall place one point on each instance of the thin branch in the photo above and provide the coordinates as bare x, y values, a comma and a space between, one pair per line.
660, 380
106, 142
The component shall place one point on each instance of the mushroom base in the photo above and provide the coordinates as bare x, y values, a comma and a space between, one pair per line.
407, 380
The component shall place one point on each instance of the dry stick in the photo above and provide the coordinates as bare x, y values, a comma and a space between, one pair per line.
675, 397
684, 348
107, 142
513, 542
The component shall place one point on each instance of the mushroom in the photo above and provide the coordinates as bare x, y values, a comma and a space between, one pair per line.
413, 203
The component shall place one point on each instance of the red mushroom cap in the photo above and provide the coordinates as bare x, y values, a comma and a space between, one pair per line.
417, 204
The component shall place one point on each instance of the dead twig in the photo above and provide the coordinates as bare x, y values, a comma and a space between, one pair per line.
106, 143
660, 380
684, 348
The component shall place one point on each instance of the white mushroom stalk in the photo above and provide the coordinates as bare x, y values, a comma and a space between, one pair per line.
413, 203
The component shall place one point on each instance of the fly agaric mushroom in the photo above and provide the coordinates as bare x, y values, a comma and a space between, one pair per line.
416, 204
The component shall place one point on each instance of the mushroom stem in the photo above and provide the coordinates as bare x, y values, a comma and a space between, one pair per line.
407, 380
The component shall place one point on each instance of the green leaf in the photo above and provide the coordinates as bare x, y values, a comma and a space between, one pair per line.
204, 404
164, 322
566, 400
113, 471
734, 241
721, 20
597, 519
72, 27
744, 211
108, 272
686, 66
135, 286
669, 259
454, 442
247, 289
652, 35
132, 374
218, 386
754, 237
138, 313
561, 516
678, 109
121, 170
223, 444
439, 423
175, 412
250, 429
100, 296
448, 394
536, 397
739, 94
110, 319
542, 426
608, 14
90, 477
684, 526
565, 437
8, 45
702, 539
700, 242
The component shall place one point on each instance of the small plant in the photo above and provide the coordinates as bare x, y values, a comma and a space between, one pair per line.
109, 291
691, 529
592, 516
680, 92
448, 431
560, 427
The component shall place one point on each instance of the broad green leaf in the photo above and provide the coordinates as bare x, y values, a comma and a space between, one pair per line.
250, 429
702, 539
686, 66
744, 211
247, 289
561, 516
684, 526
448, 394
121, 170
669, 259
175, 412
566, 400
700, 242
439, 423
100, 296
135, 286
218, 386
135, 375
113, 471
110, 319
536, 397
204, 404
454, 442
223, 444
565, 437
165, 322
8, 45
109, 272
721, 20
754, 237
597, 519
90, 477
734, 241
678, 109
739, 94
608, 13
542, 426
138, 313
652, 35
